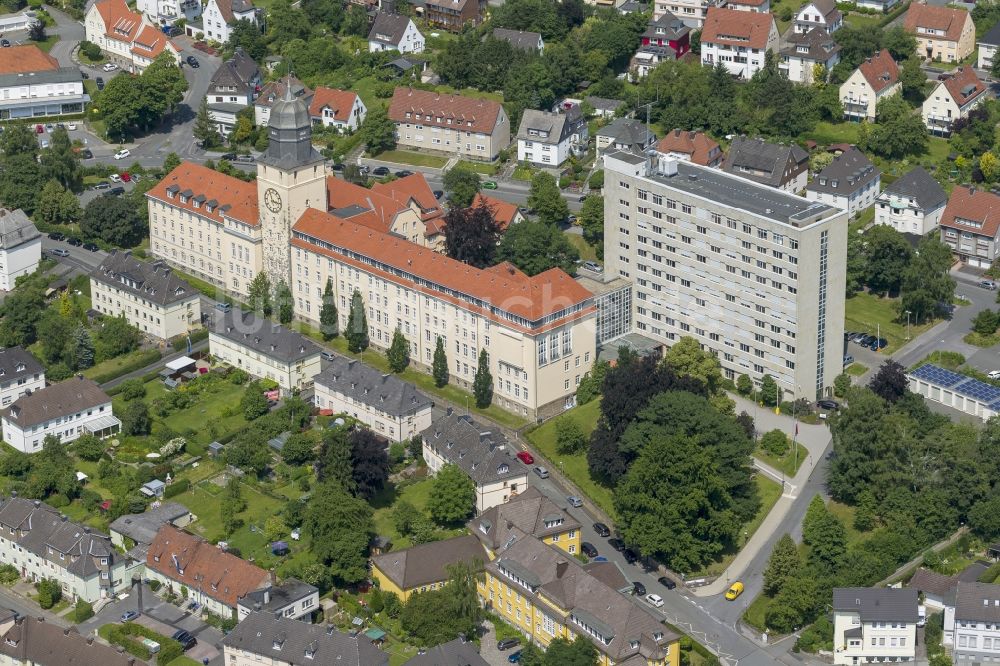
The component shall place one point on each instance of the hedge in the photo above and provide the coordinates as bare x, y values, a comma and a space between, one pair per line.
180, 344
122, 634
83, 611
176, 488
147, 357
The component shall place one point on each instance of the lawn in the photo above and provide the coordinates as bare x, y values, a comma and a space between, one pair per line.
524, 173
46, 44
874, 315
574, 465
484, 168
412, 158
862, 20
856, 369
787, 463
858, 225
204, 420
826, 133
586, 250
113, 364
769, 492
417, 494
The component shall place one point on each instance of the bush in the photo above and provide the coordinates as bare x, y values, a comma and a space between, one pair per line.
9, 574
83, 611
140, 361
775, 442
154, 584
176, 488
132, 389
57, 501
180, 344
49, 592
596, 181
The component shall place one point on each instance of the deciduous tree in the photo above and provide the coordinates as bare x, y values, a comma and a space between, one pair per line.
472, 235
112, 220
248, 451
378, 131
686, 357
399, 352
462, 185
253, 404
369, 462
259, 297
890, 382
334, 464
535, 247
57, 205
452, 497
340, 528
546, 199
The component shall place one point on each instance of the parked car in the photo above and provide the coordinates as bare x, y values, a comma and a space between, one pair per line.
4, 43
39, 129
71, 127
186, 640
542, 472
92, 247
245, 159
229, 157
115, 192
59, 252
574, 501
403, 173
128, 616
115, 178
337, 167
103, 185
45, 143
490, 185
526, 457
122, 154
592, 266
109, 67
638, 588
515, 657
74, 241
192, 61
223, 306
438, 194
988, 284
602, 530
126, 176
630, 556
666, 582
827, 404
380, 171
87, 154
588, 549
617, 544
654, 600
735, 590
56, 236
328, 355
878, 343
508, 643
100, 83
992, 374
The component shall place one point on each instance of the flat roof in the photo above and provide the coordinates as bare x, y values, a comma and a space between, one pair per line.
597, 286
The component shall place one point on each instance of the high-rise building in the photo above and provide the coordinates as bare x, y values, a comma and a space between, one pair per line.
756, 275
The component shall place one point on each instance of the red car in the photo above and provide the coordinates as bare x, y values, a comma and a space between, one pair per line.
40, 129
126, 177
525, 457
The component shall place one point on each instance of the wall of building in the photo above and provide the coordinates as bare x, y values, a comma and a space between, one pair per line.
162, 322
66, 429
18, 261
469, 145
396, 428
297, 375
907, 218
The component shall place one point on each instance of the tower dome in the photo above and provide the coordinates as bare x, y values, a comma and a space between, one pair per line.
289, 131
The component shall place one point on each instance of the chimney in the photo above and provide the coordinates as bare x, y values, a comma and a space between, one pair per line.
561, 567
972, 189
90, 640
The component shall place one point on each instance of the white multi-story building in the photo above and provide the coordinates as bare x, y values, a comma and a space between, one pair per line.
32, 84
220, 16
395, 32
913, 204
972, 623
66, 410
822, 14
874, 80
168, 12
261, 638
127, 38
342, 109
953, 99
874, 625
233, 87
809, 56
149, 295
738, 40
292, 599
20, 247
548, 138
754, 274
850, 182
692, 12
391, 407
988, 46
20, 372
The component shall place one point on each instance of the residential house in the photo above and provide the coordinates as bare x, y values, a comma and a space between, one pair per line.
405, 207
878, 5
738, 40
988, 45
168, 12
913, 204
458, 651
20, 247
26, 640
936, 589
874, 80
126, 38
40, 542
471, 128
850, 182
547, 594
264, 349
65, 410
20, 372
148, 45
341, 109
943, 34
275, 90
874, 624
808, 55
604, 107
666, 38
483, 455
33, 85
220, 16
504, 213
970, 226
395, 32
548, 138
263, 638
972, 623
148, 294
233, 87
624, 134
292, 599
213, 577
692, 12
391, 407
775, 164
454, 15
529, 513
953, 98
424, 567
531, 42
695, 147
822, 14
133, 532
758, 6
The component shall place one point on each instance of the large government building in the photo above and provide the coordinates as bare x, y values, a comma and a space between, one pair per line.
539, 331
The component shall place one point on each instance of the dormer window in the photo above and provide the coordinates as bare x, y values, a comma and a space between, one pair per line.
503, 469
170, 195
20, 367
184, 199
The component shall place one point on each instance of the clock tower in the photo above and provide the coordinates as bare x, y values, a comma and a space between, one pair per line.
290, 178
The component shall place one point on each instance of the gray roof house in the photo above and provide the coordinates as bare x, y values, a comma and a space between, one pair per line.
292, 599
289, 641
774, 164
971, 621
603, 106
877, 604
19, 369
988, 46
426, 565
548, 137
937, 588
21, 242
16, 229
624, 134
36, 641
913, 204
395, 32
803, 51
530, 512
520, 39
233, 87
151, 281
850, 182
141, 528
458, 652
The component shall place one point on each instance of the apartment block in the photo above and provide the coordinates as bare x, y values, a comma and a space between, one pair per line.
470, 128
972, 623
717, 257
874, 625
692, 12
20, 372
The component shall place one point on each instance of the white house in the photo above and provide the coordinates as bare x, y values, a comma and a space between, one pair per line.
972, 623
394, 32
850, 182
481, 453
913, 204
20, 372
952, 99
391, 407
20, 247
167, 12
874, 624
273, 91
220, 16
988, 45
233, 87
341, 109
292, 599
149, 295
807, 54
738, 40
265, 350
548, 138
32, 84
261, 638
874, 80
66, 410
822, 14
126, 38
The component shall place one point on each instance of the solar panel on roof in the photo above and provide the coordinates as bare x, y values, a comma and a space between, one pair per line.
980, 391
937, 375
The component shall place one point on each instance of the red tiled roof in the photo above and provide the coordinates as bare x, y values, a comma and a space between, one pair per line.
383, 209
967, 203
503, 212
747, 3
151, 42
26, 58
339, 101
964, 79
736, 28
239, 196
199, 565
442, 110
412, 188
503, 286
880, 71
696, 145
120, 23
951, 21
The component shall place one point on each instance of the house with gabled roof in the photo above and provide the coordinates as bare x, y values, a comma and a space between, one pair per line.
970, 226
504, 213
126, 38
220, 16
666, 38
471, 128
35, 641
972, 623
784, 166
806, 54
913, 204
262, 638
850, 182
233, 87
272, 91
988, 46
694, 147
548, 138
874, 625
822, 14
425, 566
20, 372
527, 513
405, 207
943, 33
395, 32
952, 99
64, 410
531, 42
168, 12
874, 80
738, 40
340, 109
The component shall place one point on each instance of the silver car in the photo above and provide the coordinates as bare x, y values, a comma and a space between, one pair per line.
542, 472
574, 501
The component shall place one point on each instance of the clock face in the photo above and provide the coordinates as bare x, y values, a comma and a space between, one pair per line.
272, 199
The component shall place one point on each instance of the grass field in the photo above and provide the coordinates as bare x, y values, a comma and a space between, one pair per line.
826, 133
856, 369
205, 416
412, 158
483, 168
862, 20
874, 315
113, 364
787, 463
586, 250
416, 494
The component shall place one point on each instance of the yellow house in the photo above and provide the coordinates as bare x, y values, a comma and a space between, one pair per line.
547, 594
529, 512
423, 567
942, 33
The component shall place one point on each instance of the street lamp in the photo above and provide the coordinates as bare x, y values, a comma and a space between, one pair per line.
907, 324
